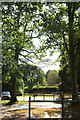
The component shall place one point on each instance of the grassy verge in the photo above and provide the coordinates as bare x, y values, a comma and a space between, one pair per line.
4, 102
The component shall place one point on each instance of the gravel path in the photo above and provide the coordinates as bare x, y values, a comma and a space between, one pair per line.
6, 111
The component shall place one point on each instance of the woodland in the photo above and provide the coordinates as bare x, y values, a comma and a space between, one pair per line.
60, 24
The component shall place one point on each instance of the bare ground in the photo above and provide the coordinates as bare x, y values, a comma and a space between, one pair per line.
23, 114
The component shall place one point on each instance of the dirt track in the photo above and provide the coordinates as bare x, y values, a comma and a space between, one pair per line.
20, 111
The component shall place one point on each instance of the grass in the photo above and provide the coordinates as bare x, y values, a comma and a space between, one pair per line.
21, 102
4, 102
25, 101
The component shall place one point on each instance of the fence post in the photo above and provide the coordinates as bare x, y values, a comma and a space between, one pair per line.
29, 107
53, 96
62, 97
34, 97
43, 97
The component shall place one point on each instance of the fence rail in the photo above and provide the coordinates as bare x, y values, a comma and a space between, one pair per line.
62, 100
54, 97
46, 101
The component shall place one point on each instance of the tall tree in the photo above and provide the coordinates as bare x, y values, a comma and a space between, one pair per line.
78, 72
17, 30
32, 76
60, 23
52, 77
57, 22
65, 78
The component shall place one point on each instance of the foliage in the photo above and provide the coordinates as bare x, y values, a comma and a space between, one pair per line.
20, 87
32, 76
17, 30
46, 87
42, 89
60, 25
65, 77
7, 82
58, 22
52, 77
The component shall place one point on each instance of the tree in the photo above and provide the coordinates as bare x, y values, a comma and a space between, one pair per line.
32, 76
17, 30
60, 25
56, 22
78, 71
52, 77
65, 78
64, 72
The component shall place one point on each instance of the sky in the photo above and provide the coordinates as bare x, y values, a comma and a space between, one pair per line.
54, 66
51, 65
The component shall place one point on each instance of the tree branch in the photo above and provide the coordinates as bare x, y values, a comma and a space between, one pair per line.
65, 43
26, 59
9, 48
33, 53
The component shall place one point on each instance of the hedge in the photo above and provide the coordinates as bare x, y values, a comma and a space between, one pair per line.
42, 89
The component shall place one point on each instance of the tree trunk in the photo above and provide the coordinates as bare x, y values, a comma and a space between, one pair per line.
13, 77
74, 79
72, 56
13, 92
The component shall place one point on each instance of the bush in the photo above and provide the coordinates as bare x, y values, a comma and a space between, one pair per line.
42, 89
19, 92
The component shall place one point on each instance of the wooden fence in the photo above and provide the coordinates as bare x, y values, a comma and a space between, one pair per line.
44, 100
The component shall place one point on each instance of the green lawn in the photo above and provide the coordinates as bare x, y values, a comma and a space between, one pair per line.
18, 102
